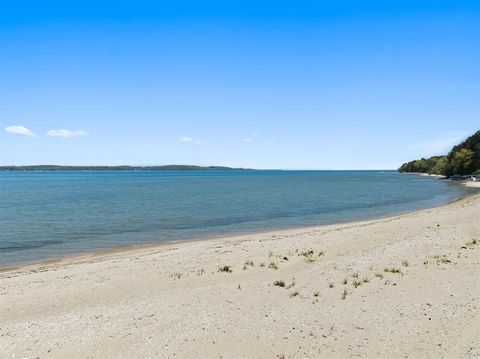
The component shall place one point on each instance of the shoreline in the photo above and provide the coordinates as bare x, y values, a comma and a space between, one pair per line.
132, 248
402, 286
105, 252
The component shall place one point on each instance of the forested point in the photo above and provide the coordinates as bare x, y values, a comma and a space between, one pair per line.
463, 159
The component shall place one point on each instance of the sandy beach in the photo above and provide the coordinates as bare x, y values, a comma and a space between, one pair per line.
406, 286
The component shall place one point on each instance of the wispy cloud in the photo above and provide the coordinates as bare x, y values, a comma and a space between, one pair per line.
255, 137
252, 138
20, 130
439, 145
191, 140
66, 133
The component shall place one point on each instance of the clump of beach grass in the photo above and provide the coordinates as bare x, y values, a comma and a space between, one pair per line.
355, 275
392, 270
405, 263
321, 253
225, 269
307, 252
262, 265
344, 294
316, 294
345, 281
279, 283
331, 285
356, 283
273, 266
294, 294
365, 280
201, 271
472, 242
247, 264
292, 284
176, 275
379, 275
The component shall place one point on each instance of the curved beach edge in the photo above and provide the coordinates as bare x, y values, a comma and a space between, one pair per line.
103, 254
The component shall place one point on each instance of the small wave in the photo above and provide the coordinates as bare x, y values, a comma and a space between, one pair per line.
13, 247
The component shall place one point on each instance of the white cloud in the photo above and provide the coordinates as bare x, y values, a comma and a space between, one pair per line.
251, 138
20, 130
66, 133
191, 140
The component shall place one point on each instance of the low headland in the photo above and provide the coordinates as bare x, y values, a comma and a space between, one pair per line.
120, 168
461, 163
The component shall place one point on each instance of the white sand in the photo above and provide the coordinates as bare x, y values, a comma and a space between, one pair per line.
171, 302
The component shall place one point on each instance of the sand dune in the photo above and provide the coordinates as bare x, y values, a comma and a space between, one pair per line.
405, 286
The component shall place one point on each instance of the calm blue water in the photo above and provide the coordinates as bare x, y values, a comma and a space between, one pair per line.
50, 214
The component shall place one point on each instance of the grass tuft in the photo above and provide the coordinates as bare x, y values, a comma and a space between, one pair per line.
292, 284
279, 283
273, 265
176, 275
356, 283
379, 275
294, 294
225, 269
307, 253
393, 270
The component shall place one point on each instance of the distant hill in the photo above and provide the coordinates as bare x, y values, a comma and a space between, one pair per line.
119, 168
463, 159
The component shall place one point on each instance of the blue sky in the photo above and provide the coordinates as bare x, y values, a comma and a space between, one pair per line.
264, 84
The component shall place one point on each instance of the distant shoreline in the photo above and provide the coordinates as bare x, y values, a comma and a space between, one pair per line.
55, 168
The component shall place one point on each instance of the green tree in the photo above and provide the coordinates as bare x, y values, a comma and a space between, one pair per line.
461, 161
440, 167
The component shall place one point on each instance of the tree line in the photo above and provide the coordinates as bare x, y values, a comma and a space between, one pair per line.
463, 159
